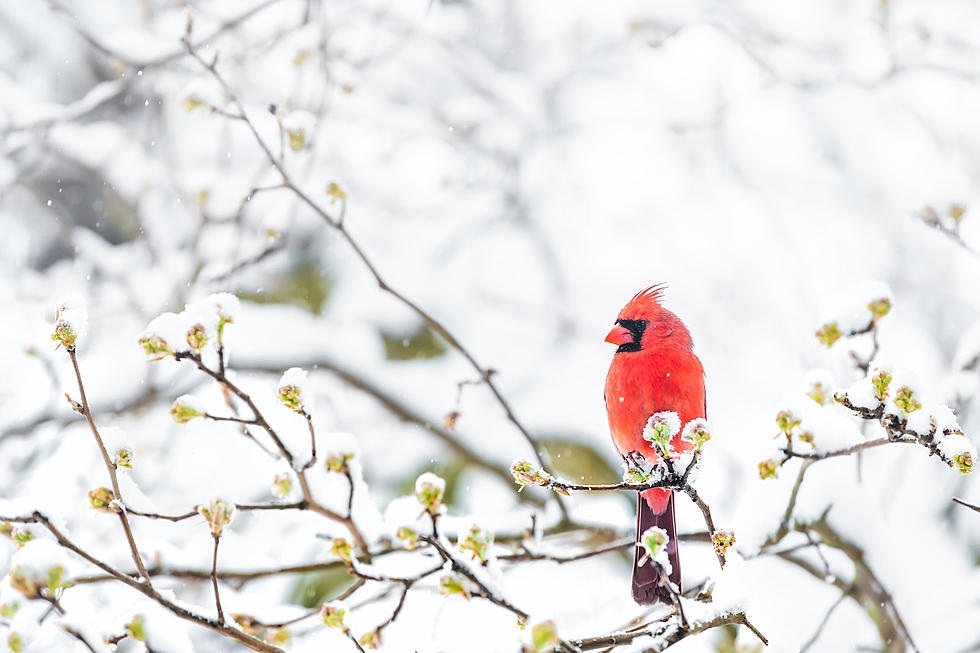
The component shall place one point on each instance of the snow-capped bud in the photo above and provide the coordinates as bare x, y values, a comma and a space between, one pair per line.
155, 346
136, 629
722, 540
38, 566
124, 458
294, 391
786, 420
299, 127
282, 485
476, 541
806, 436
338, 462
455, 584
906, 401
103, 500
342, 549
879, 308
333, 614
217, 514
963, 462
187, 407
653, 541
958, 452
71, 321
696, 432
429, 490
370, 640
880, 381
818, 386
197, 336
18, 534
636, 476
527, 473
659, 430
335, 192
408, 537
14, 642
767, 469
544, 636
828, 334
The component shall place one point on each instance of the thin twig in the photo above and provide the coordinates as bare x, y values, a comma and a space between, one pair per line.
109, 465
214, 581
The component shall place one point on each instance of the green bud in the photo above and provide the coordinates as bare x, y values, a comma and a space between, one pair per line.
880, 381
124, 458
8, 610
963, 462
544, 636
786, 420
879, 308
371, 640
102, 499
906, 401
525, 473
217, 514
65, 334
767, 469
454, 584
338, 463
183, 413
155, 346
829, 333
408, 537
477, 542
15, 643
197, 337
342, 549
333, 614
289, 395
135, 629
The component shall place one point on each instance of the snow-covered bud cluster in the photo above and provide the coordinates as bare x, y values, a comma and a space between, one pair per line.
454, 583
828, 334
370, 640
191, 329
187, 407
767, 469
338, 462
429, 490
341, 548
196, 337
786, 420
722, 540
335, 192
124, 458
527, 473
217, 514
696, 432
333, 613
544, 636
905, 400
958, 452
298, 126
103, 500
818, 386
659, 430
282, 485
477, 541
407, 536
294, 391
70, 323
40, 565
18, 534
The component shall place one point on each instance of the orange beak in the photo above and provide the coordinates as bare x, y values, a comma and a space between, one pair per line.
619, 336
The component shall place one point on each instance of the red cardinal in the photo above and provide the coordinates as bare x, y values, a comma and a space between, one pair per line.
654, 369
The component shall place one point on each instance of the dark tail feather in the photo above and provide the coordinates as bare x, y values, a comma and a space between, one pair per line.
646, 589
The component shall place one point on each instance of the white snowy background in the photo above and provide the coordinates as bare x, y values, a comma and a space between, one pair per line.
519, 170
